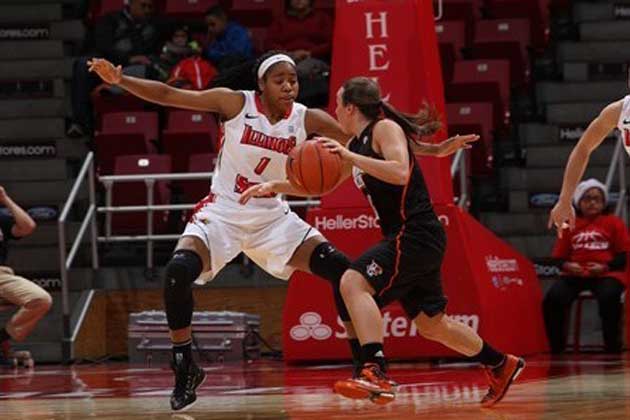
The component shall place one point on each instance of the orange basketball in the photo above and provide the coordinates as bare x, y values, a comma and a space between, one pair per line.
313, 169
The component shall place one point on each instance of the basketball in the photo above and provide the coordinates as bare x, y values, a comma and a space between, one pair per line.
312, 168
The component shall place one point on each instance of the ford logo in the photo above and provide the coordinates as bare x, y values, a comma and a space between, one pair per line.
543, 200
43, 213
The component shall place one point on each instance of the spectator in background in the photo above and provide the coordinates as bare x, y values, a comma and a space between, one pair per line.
229, 43
592, 257
128, 38
33, 301
307, 35
193, 72
178, 48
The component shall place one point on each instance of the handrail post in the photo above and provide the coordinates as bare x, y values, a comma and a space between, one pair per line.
108, 202
66, 350
93, 233
150, 188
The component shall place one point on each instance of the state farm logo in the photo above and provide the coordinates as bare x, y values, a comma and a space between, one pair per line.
364, 221
310, 327
499, 265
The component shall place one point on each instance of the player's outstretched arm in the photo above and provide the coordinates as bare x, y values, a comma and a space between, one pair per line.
445, 148
562, 213
223, 101
321, 123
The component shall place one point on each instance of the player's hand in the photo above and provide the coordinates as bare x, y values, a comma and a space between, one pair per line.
455, 143
259, 190
596, 269
573, 268
335, 147
562, 217
3, 195
105, 70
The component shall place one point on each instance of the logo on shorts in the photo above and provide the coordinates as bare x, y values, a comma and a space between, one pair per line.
310, 327
373, 269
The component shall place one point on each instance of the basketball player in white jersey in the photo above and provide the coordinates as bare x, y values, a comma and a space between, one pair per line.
615, 114
260, 129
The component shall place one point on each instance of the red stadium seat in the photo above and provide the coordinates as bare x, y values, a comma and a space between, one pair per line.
505, 30
254, 13
477, 92
467, 11
519, 66
188, 9
468, 117
195, 190
537, 12
101, 8
188, 133
103, 102
135, 193
452, 32
447, 57
497, 71
124, 133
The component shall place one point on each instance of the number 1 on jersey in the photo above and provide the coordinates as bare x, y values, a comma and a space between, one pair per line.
262, 165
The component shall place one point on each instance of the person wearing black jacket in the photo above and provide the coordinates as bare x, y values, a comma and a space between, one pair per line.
127, 38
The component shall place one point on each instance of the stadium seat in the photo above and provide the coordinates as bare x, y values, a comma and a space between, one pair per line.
537, 12
195, 190
124, 133
474, 117
452, 32
135, 193
467, 11
101, 8
103, 102
519, 66
188, 9
188, 133
497, 71
499, 37
254, 13
447, 58
477, 92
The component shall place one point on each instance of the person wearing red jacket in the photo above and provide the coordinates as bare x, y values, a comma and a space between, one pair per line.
591, 257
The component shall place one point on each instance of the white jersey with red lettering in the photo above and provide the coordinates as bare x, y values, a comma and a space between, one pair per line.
253, 150
265, 229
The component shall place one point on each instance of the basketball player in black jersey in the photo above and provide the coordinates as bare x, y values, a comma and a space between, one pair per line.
406, 265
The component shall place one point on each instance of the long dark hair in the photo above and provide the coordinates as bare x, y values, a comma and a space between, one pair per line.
365, 94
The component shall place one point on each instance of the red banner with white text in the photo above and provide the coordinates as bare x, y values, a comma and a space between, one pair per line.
394, 42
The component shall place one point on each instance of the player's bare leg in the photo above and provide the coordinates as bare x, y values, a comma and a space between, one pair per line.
371, 383
501, 369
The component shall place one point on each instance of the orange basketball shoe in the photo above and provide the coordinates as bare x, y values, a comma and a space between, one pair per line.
501, 378
371, 384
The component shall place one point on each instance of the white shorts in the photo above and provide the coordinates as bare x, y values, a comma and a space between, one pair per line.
269, 237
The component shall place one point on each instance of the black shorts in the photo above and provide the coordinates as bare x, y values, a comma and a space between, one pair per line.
407, 268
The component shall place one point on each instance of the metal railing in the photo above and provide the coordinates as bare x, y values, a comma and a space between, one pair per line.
459, 165
440, 9
150, 180
66, 259
618, 167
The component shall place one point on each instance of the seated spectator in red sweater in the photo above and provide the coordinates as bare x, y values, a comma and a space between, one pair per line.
592, 257
306, 34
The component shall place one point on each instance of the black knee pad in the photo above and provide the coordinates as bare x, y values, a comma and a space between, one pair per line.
329, 263
181, 271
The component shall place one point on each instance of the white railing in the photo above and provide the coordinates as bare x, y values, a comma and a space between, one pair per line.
618, 167
440, 9
459, 166
66, 259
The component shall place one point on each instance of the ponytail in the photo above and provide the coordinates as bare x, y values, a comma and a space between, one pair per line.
365, 94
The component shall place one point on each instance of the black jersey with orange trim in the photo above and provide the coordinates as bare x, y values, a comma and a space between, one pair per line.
394, 205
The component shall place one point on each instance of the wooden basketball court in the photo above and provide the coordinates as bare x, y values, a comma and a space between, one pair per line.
572, 387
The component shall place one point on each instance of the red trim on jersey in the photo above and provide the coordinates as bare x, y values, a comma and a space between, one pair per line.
402, 230
206, 200
259, 107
